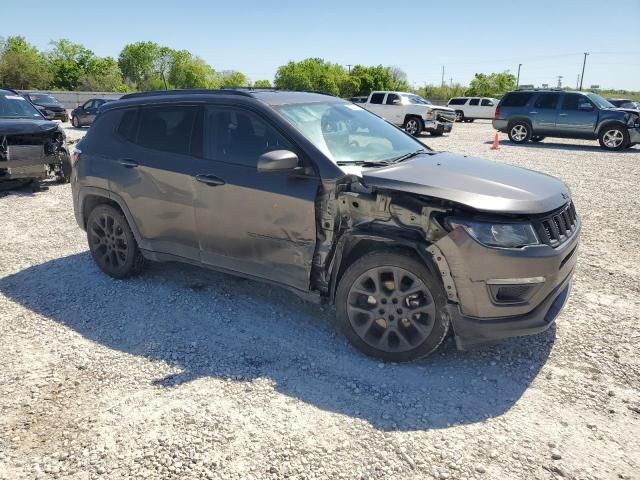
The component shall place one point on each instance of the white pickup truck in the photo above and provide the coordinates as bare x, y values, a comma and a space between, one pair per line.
411, 112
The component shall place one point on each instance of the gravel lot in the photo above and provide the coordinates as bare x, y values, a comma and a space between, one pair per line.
185, 373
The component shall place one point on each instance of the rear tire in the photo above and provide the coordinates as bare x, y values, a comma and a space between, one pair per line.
75, 122
614, 138
413, 126
459, 116
112, 244
390, 306
519, 132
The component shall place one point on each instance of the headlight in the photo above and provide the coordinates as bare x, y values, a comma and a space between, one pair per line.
429, 114
507, 235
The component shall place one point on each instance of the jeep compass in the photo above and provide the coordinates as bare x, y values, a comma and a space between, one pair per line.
320, 196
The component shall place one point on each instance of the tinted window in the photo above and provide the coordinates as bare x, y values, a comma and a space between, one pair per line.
474, 101
486, 102
377, 98
547, 100
575, 101
128, 124
167, 128
517, 99
88, 105
391, 97
457, 101
236, 136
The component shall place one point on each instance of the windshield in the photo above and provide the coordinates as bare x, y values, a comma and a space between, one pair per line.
599, 101
15, 106
417, 100
347, 133
43, 99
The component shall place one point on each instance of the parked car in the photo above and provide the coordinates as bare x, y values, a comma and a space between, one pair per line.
536, 114
470, 108
359, 99
85, 114
31, 147
48, 105
411, 112
624, 103
315, 194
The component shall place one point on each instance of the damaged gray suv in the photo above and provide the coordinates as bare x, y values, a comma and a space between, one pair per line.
322, 197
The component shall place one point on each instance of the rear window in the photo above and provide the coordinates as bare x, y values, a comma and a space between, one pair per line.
167, 128
377, 98
516, 99
457, 101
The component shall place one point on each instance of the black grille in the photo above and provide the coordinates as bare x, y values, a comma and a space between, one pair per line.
558, 227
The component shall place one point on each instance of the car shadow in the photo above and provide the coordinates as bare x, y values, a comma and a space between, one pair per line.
207, 324
545, 144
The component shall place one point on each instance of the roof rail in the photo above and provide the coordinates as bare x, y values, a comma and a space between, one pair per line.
204, 91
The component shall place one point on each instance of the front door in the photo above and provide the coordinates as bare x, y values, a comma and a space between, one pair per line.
544, 113
393, 109
577, 116
260, 224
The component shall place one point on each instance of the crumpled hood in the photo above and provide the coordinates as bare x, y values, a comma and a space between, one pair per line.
480, 184
25, 126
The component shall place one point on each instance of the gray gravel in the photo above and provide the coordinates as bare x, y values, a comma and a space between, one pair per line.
186, 373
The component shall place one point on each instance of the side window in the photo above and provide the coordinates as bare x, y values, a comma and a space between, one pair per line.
240, 137
457, 101
167, 128
547, 101
391, 97
518, 99
88, 105
474, 101
128, 124
377, 98
486, 103
575, 101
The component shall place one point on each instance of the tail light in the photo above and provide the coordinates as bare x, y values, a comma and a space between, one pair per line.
75, 155
496, 115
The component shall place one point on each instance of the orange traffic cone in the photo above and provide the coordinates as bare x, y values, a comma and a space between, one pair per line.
496, 145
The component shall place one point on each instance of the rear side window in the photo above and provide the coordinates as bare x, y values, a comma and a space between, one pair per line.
575, 101
167, 128
377, 98
457, 101
517, 99
486, 102
547, 101
474, 101
240, 137
128, 124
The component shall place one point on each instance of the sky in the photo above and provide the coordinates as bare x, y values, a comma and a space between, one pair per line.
547, 37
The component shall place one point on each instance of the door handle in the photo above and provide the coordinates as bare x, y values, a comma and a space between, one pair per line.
210, 180
533, 113
563, 114
128, 163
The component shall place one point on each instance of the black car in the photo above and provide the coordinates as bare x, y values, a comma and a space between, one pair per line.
48, 105
624, 103
85, 114
31, 147
320, 196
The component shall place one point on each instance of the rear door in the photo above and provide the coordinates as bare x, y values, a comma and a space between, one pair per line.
487, 108
472, 109
577, 116
544, 113
85, 112
156, 157
259, 224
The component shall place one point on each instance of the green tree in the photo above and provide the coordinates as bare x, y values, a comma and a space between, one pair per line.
103, 75
379, 78
491, 85
22, 66
262, 84
139, 63
68, 62
442, 92
232, 78
314, 74
188, 71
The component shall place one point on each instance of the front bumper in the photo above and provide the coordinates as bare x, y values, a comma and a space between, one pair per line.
435, 125
634, 136
500, 124
481, 317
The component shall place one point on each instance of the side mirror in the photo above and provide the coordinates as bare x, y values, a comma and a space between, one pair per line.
585, 107
395, 101
490, 104
278, 161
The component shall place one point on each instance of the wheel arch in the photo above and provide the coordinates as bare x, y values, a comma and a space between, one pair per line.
353, 246
609, 123
526, 120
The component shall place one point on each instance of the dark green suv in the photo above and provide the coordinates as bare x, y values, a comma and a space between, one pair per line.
532, 115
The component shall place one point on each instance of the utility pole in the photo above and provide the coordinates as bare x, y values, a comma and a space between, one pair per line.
442, 83
560, 77
450, 82
518, 78
349, 66
578, 81
584, 62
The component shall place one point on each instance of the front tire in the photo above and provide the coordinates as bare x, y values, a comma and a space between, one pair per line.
520, 132
75, 122
112, 244
413, 126
390, 306
459, 116
614, 138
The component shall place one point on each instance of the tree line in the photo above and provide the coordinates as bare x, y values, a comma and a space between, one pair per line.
148, 66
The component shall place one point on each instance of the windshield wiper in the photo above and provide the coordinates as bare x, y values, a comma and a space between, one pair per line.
367, 163
409, 155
